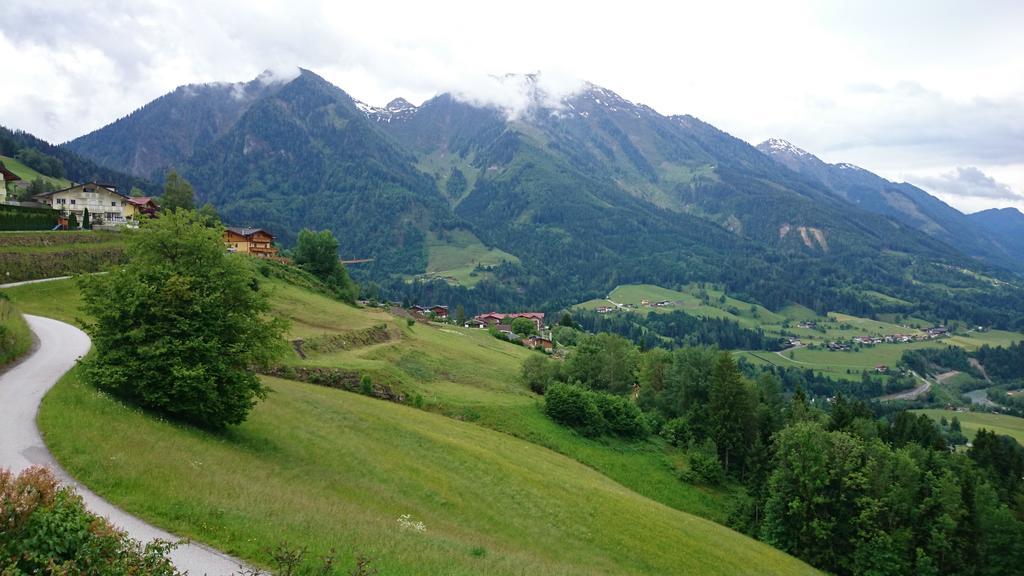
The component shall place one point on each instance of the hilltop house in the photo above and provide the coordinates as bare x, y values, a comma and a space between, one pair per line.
5, 177
495, 318
255, 241
106, 205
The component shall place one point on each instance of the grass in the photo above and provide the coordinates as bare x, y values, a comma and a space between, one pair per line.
455, 256
330, 469
460, 374
59, 299
971, 422
46, 254
15, 336
28, 174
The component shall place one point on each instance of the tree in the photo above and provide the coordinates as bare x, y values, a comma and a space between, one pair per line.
732, 410
177, 193
189, 322
317, 253
86, 221
523, 326
136, 192
209, 213
538, 373
72, 221
460, 315
567, 321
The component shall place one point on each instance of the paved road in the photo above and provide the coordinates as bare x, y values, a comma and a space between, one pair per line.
22, 388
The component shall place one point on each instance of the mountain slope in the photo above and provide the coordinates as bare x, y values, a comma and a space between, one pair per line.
165, 132
74, 167
902, 202
306, 156
584, 194
1005, 225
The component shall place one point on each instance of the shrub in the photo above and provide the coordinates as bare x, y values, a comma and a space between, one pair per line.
48, 531
705, 466
573, 406
538, 373
676, 431
622, 417
178, 328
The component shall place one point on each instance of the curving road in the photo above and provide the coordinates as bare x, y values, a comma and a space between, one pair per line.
23, 386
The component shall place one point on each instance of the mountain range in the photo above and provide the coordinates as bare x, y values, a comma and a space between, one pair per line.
579, 196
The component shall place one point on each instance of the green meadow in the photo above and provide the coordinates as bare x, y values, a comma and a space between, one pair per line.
971, 422
500, 488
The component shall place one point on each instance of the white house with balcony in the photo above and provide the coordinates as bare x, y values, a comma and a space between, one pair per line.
106, 205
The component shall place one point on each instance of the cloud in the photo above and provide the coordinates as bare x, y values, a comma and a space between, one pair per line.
517, 95
968, 181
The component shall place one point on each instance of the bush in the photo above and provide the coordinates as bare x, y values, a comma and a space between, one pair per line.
47, 531
573, 406
538, 373
676, 431
705, 467
621, 416
594, 413
178, 328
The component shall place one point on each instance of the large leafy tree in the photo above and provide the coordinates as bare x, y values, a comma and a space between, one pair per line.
178, 193
317, 253
178, 328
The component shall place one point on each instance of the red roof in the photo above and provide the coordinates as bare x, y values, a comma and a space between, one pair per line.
502, 316
8, 175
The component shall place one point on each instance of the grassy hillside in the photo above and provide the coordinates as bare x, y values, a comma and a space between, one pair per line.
327, 468
454, 257
32, 255
28, 174
15, 337
971, 422
330, 469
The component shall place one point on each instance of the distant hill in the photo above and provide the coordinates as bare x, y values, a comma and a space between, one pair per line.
1005, 225
902, 202
584, 194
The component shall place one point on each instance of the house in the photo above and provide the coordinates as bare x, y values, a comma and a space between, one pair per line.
255, 241
106, 205
141, 206
439, 311
474, 323
494, 318
417, 309
538, 342
5, 177
881, 368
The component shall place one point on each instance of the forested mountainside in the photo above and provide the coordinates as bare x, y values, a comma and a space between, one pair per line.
60, 162
1006, 225
905, 203
593, 193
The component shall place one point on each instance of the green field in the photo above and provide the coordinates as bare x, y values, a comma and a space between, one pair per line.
501, 489
15, 337
454, 257
971, 422
59, 299
28, 174
718, 305
33, 255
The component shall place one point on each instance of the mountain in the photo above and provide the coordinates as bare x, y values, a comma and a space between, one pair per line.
1005, 224
556, 204
69, 165
902, 202
168, 130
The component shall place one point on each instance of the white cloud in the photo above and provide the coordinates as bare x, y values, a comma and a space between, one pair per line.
851, 83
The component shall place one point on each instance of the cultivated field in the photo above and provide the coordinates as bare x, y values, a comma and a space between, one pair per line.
972, 421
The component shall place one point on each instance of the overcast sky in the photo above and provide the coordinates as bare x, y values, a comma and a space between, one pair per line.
929, 91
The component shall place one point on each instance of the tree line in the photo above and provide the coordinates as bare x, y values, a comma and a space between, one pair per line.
844, 485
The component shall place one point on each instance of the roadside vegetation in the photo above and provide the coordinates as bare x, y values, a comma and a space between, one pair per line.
15, 337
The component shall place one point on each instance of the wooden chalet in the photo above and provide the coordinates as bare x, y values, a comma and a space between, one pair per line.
255, 241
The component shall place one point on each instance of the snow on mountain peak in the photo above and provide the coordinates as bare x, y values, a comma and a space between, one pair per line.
778, 145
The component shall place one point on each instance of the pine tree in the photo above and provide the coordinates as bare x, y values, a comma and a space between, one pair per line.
86, 224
